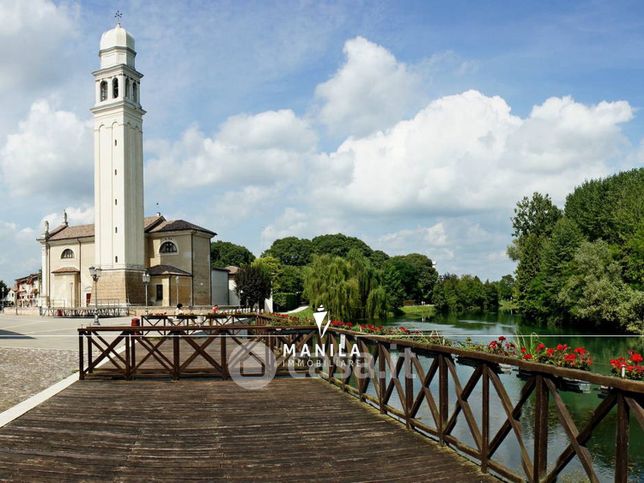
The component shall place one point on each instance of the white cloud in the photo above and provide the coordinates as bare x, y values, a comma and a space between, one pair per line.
371, 91
19, 254
237, 205
32, 34
257, 149
467, 153
422, 237
75, 216
50, 154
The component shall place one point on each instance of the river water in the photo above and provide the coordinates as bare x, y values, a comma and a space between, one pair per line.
603, 347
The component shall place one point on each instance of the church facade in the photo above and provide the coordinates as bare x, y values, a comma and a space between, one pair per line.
122, 243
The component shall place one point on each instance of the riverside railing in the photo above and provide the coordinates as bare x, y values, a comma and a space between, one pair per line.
416, 383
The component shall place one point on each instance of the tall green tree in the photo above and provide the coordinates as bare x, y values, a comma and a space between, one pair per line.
557, 253
417, 275
4, 290
291, 251
339, 245
536, 215
253, 285
351, 288
533, 221
224, 254
505, 287
595, 291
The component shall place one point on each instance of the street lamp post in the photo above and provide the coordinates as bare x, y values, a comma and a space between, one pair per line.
146, 281
95, 272
177, 280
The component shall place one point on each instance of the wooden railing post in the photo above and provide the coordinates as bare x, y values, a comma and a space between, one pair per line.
81, 362
175, 354
540, 459
409, 387
135, 337
128, 355
381, 377
223, 353
485, 418
88, 336
443, 398
621, 440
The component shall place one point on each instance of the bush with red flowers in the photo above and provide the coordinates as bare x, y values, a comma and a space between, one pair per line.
561, 356
630, 367
502, 347
338, 324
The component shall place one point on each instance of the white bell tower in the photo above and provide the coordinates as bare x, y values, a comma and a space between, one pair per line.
118, 167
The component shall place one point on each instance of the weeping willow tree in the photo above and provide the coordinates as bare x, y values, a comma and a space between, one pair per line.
350, 288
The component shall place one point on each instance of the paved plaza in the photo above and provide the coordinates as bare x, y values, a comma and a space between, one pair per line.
36, 352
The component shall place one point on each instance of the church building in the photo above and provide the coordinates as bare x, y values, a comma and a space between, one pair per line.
130, 253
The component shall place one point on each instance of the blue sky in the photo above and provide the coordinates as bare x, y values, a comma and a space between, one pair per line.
413, 125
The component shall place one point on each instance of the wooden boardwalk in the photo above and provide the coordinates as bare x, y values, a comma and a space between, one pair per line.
205, 429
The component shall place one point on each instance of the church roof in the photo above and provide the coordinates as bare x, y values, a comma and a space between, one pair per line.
66, 270
167, 270
151, 224
179, 225
65, 232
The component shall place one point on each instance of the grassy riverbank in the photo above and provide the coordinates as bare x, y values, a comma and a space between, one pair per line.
427, 311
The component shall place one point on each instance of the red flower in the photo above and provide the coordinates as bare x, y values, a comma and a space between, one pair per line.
541, 346
527, 357
550, 352
637, 358
570, 357
492, 344
580, 350
501, 338
524, 350
562, 347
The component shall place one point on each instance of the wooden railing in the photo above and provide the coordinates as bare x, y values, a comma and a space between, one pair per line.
407, 381
180, 350
220, 318
418, 384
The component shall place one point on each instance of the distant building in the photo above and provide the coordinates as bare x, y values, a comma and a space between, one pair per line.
27, 290
121, 242
233, 298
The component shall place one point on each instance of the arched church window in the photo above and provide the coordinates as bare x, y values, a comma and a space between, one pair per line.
127, 88
115, 88
103, 90
135, 92
67, 253
168, 247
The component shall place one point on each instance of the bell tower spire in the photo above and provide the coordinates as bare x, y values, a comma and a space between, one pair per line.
118, 164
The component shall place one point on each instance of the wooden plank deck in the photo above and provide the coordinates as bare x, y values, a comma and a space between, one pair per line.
204, 429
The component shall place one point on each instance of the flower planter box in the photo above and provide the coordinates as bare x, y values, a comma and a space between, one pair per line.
525, 374
574, 385
603, 392
498, 368
563, 383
